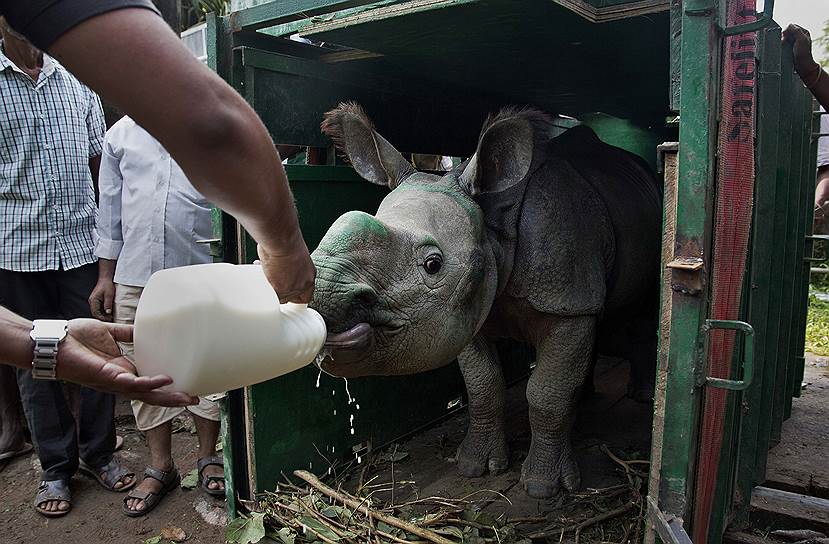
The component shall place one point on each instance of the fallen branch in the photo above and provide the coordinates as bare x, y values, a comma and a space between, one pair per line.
584, 524
314, 482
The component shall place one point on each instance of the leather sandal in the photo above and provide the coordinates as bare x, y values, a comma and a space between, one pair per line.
204, 480
113, 472
54, 490
169, 481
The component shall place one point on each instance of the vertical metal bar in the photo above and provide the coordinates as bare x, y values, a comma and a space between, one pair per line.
224, 227
675, 435
760, 281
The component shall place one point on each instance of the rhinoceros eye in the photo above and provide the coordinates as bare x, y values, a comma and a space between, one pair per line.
432, 264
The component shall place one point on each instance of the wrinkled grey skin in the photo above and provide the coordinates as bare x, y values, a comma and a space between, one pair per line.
534, 238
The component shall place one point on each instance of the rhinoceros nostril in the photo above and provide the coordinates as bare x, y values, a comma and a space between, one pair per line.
363, 296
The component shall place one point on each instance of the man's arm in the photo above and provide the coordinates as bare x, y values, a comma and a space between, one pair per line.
89, 356
94, 168
213, 134
108, 228
810, 72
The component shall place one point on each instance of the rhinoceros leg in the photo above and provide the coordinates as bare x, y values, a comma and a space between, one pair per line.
563, 349
485, 445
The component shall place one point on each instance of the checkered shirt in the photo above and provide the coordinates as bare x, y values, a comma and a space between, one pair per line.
48, 132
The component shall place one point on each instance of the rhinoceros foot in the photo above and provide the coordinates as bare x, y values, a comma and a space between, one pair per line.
548, 467
482, 451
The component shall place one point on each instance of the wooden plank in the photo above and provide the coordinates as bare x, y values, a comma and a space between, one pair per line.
772, 508
739, 537
284, 11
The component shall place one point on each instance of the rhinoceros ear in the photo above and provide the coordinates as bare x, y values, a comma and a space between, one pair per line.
505, 151
372, 156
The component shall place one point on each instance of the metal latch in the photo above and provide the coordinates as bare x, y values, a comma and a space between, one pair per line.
215, 246
668, 527
748, 353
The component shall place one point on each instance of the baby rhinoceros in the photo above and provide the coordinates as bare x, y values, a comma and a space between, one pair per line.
534, 238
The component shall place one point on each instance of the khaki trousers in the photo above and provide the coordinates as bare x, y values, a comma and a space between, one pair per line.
148, 416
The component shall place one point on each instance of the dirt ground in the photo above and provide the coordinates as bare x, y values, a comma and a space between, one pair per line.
96, 513
798, 464
609, 418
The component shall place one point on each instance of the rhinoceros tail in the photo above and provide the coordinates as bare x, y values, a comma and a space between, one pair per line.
332, 123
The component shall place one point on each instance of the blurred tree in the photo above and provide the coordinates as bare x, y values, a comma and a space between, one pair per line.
822, 43
194, 11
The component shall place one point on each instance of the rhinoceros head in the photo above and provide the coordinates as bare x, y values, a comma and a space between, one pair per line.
404, 290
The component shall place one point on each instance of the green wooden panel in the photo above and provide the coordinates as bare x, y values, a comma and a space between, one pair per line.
808, 160
675, 436
797, 270
789, 198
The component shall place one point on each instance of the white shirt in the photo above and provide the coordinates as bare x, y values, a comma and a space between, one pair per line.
823, 142
149, 216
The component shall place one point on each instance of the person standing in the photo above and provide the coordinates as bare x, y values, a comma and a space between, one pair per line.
151, 218
51, 133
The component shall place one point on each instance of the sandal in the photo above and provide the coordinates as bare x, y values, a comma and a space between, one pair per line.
204, 481
169, 481
8, 455
113, 472
53, 490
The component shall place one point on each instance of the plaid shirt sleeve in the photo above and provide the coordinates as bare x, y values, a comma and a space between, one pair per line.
95, 124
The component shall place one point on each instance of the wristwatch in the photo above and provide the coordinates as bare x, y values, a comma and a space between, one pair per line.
47, 335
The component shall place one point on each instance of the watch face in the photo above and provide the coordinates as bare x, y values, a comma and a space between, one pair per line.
49, 328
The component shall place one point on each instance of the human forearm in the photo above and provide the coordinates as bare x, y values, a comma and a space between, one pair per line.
106, 269
15, 343
220, 143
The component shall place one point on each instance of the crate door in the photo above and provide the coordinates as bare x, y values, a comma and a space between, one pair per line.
767, 359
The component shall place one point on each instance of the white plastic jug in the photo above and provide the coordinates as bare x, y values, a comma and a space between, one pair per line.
216, 327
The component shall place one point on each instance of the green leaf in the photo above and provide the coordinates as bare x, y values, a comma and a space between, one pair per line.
246, 530
285, 535
320, 528
190, 480
450, 531
153, 540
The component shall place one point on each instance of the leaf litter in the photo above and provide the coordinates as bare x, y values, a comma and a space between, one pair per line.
306, 510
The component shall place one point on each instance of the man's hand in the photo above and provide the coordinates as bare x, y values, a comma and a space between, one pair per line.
100, 301
90, 356
290, 273
804, 63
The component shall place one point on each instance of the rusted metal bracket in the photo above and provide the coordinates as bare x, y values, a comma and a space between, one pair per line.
687, 274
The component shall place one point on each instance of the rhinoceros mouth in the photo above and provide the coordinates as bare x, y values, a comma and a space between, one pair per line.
356, 337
